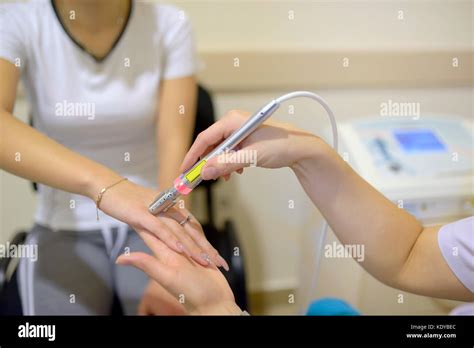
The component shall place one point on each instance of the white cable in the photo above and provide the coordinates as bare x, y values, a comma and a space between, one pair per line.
322, 102
335, 141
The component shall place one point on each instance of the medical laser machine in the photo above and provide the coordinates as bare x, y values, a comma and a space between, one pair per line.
423, 165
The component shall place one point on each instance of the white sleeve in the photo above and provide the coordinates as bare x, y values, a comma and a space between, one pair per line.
180, 51
12, 35
456, 241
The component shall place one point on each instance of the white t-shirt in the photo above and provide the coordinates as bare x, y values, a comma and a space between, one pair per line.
456, 241
104, 110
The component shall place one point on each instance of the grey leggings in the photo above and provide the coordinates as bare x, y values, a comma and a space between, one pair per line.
75, 272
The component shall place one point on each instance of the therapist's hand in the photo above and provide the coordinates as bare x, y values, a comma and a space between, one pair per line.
201, 290
129, 202
275, 144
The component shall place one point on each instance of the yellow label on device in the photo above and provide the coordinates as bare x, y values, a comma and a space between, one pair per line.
195, 172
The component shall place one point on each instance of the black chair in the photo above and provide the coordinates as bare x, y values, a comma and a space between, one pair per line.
224, 240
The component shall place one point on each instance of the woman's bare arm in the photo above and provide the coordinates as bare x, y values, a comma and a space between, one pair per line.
30, 154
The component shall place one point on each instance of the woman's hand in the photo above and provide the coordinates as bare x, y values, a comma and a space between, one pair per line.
129, 202
275, 144
201, 290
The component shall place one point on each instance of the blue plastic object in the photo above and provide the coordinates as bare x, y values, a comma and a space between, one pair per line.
331, 306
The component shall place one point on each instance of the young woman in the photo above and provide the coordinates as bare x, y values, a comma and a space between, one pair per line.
112, 95
435, 261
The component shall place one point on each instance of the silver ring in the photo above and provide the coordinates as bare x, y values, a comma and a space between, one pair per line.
206, 258
185, 220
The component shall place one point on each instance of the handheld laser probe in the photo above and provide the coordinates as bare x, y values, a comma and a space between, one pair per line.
187, 181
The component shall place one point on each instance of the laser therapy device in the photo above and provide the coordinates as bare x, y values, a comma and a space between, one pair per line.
187, 181
425, 166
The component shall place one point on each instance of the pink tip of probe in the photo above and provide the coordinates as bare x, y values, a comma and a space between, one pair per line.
181, 186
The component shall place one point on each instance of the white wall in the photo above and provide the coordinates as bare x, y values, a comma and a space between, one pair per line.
362, 24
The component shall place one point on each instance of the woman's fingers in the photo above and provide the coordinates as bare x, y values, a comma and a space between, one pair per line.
159, 249
211, 254
194, 230
198, 237
152, 267
187, 238
189, 247
192, 236
158, 228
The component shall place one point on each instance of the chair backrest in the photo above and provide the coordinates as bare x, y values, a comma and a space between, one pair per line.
205, 117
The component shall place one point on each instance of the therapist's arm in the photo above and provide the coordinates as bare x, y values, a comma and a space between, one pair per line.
29, 154
398, 250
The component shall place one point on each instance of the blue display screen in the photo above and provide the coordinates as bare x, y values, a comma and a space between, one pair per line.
418, 140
